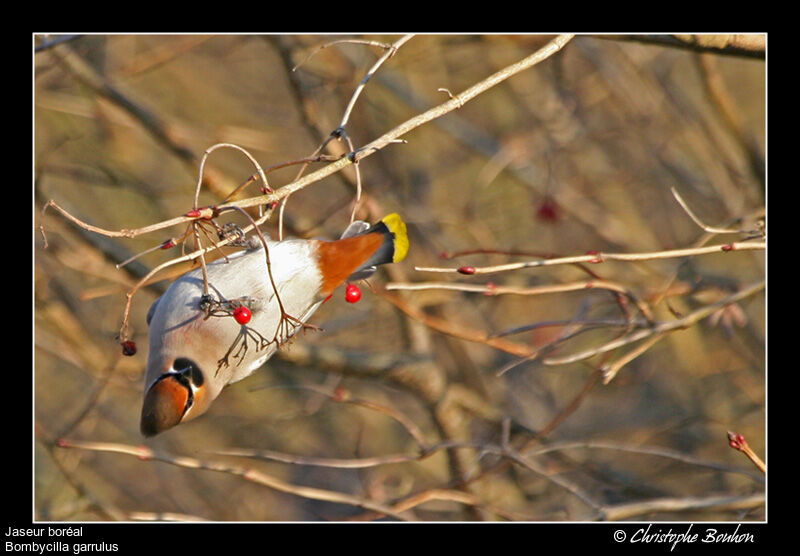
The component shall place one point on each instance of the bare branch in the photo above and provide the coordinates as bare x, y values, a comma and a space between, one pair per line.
678, 504
248, 474
597, 257
709, 229
748, 45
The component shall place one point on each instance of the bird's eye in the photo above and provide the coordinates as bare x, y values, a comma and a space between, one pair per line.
182, 364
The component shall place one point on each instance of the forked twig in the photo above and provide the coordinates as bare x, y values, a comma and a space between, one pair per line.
696, 220
340, 132
383, 45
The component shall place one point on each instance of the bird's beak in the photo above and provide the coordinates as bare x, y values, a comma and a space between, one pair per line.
165, 403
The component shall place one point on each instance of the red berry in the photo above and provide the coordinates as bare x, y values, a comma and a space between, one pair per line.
128, 348
242, 315
352, 294
548, 211
467, 270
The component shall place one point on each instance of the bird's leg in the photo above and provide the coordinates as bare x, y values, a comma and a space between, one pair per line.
242, 339
287, 323
288, 326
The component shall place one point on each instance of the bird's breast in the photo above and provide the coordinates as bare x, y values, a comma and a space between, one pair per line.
185, 324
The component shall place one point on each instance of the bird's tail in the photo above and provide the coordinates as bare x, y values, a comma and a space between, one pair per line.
360, 250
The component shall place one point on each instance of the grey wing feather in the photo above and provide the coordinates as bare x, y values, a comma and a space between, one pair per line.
152, 310
357, 227
363, 273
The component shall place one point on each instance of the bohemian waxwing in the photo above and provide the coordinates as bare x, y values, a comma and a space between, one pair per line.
201, 343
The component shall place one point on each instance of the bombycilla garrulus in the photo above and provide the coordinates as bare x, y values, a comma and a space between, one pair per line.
200, 343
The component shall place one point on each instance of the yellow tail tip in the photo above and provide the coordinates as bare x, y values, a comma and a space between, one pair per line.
398, 228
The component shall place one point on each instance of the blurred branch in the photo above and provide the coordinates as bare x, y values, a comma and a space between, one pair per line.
48, 43
643, 450
416, 373
673, 505
660, 328
248, 474
342, 463
565, 483
109, 511
341, 395
721, 99
748, 45
163, 516
161, 130
87, 75
447, 327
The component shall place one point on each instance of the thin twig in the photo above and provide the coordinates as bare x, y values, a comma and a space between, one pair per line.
342, 463
696, 220
341, 41
492, 289
752, 45
738, 442
390, 51
598, 257
610, 370
340, 132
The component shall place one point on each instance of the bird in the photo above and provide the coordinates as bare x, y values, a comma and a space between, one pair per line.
203, 338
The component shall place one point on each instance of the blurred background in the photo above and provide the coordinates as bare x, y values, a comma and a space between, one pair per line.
578, 153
